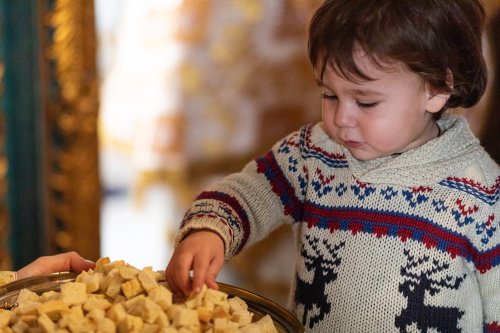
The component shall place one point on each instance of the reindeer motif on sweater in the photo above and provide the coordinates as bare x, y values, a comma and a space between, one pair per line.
418, 282
322, 266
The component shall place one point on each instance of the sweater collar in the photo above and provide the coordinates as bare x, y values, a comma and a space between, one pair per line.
454, 149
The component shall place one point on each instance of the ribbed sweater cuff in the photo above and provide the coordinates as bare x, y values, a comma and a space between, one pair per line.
209, 224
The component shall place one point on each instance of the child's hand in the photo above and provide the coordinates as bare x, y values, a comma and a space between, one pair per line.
201, 252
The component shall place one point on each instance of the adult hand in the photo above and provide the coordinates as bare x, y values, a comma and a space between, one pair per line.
69, 261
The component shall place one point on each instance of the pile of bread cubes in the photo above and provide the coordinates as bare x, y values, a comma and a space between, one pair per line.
117, 297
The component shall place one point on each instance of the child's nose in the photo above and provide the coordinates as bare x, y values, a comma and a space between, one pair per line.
344, 116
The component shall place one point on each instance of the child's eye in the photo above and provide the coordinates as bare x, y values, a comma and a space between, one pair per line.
329, 97
367, 105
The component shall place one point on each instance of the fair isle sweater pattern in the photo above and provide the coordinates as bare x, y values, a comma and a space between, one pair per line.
397, 244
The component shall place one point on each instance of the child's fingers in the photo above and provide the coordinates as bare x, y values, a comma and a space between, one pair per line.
172, 283
213, 271
183, 278
177, 274
197, 252
200, 269
210, 280
205, 270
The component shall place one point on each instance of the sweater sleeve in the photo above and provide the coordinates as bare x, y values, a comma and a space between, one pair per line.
489, 283
488, 271
486, 240
246, 206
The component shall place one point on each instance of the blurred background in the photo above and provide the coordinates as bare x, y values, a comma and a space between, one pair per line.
116, 113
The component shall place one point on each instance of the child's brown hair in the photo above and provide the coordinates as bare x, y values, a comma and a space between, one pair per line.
433, 38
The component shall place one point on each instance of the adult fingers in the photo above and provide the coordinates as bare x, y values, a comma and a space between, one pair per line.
78, 264
68, 261
55, 263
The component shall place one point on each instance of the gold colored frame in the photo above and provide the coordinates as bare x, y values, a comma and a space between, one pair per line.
70, 93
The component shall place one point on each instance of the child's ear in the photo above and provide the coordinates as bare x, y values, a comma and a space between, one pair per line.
436, 101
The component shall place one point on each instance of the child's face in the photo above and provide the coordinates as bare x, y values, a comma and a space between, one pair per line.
389, 115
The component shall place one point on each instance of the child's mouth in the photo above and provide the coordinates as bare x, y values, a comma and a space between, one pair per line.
353, 144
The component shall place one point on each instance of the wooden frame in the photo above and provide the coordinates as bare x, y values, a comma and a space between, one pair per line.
69, 64
50, 104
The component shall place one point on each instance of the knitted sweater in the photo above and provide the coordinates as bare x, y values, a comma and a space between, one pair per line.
396, 244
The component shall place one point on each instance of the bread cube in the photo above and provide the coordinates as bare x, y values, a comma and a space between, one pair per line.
100, 265
46, 324
162, 296
20, 327
91, 279
74, 293
131, 288
105, 325
96, 302
28, 307
266, 325
27, 295
5, 317
214, 297
148, 280
53, 309
128, 272
197, 299
129, 324
49, 296
223, 325
116, 312
112, 283
185, 317
143, 307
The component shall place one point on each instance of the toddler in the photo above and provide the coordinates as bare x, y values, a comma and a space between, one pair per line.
394, 203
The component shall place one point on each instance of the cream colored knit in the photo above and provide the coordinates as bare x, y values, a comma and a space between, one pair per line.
397, 244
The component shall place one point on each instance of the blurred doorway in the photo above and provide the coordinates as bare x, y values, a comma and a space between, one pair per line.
191, 91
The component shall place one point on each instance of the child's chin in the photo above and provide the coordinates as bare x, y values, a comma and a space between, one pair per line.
364, 155
361, 155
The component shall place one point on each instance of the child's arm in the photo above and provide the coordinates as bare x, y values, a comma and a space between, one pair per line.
240, 210
201, 252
